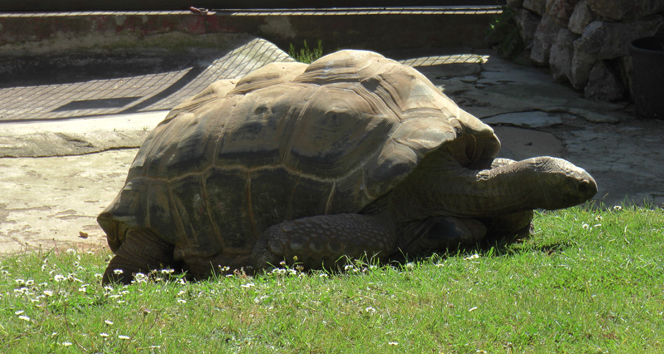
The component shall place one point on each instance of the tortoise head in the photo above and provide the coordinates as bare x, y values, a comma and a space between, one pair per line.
563, 183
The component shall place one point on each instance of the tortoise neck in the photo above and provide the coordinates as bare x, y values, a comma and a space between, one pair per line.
441, 187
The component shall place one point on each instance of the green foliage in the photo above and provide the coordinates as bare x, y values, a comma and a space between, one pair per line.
503, 34
588, 281
306, 55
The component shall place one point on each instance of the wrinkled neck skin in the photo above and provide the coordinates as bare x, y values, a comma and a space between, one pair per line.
440, 186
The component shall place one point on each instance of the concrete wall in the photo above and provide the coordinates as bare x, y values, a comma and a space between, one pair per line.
27, 34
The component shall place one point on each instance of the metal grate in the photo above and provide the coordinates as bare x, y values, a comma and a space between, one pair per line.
149, 92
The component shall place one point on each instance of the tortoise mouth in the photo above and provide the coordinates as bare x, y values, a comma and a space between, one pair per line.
588, 187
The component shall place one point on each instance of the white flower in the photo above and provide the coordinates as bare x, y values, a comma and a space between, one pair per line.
103, 334
475, 256
182, 301
167, 271
181, 292
24, 318
19, 281
370, 309
393, 343
70, 251
585, 226
248, 285
65, 344
617, 208
22, 290
323, 275
99, 275
472, 309
59, 277
108, 322
48, 292
118, 271
83, 289
122, 336
19, 312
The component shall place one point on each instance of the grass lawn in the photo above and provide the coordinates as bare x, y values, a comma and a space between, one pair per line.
588, 281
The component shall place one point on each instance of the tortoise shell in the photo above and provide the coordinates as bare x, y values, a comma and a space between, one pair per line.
287, 141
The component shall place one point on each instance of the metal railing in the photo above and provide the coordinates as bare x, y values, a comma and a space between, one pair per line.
174, 5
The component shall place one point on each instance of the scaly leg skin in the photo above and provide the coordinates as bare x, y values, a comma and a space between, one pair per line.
141, 251
509, 226
441, 233
319, 241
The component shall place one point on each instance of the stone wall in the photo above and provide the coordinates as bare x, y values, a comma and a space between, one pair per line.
586, 42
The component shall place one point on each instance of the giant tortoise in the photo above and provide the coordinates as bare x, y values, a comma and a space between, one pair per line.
352, 155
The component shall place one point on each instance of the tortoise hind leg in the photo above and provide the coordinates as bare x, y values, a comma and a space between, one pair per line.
141, 251
319, 241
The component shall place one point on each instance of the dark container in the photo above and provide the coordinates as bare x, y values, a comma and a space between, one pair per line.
648, 76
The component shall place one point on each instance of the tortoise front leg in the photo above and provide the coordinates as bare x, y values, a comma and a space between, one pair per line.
319, 241
141, 251
440, 233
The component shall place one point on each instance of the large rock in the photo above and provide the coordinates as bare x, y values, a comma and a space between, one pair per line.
626, 9
607, 40
515, 4
536, 6
561, 10
562, 52
604, 83
581, 17
545, 35
527, 23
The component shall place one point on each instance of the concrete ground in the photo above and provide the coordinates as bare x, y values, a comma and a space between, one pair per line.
66, 145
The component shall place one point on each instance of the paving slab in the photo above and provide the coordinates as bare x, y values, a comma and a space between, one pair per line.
56, 175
